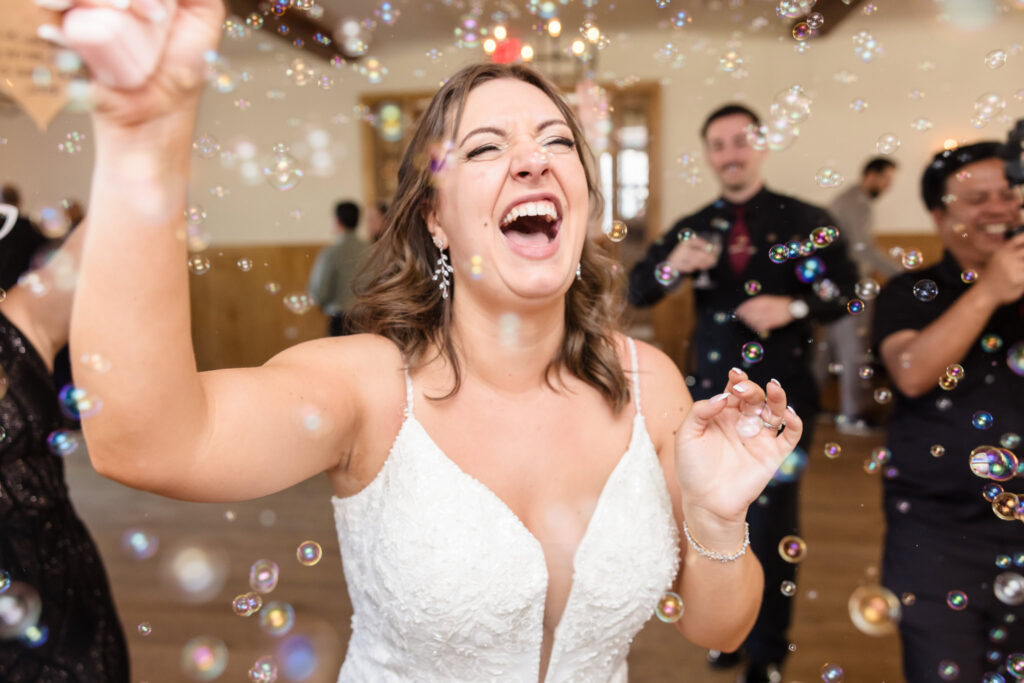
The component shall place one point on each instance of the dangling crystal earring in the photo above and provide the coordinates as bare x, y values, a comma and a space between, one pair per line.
443, 270
579, 271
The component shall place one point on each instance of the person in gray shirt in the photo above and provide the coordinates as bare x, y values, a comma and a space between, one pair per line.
330, 283
847, 337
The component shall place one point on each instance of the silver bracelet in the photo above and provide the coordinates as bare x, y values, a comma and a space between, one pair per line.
711, 554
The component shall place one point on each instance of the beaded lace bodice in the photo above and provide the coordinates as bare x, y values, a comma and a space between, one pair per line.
447, 584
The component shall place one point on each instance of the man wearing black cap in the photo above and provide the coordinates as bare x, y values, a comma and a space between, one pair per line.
755, 311
952, 339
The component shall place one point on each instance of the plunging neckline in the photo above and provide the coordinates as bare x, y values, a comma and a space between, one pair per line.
637, 429
536, 543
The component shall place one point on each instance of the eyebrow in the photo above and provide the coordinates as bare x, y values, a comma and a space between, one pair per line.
499, 131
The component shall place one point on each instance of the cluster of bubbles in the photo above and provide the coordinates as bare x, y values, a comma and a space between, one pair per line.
794, 9
247, 604
72, 143
866, 47
954, 373
670, 608
874, 610
820, 237
788, 110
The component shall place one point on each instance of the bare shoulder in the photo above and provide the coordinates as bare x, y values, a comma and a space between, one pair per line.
664, 398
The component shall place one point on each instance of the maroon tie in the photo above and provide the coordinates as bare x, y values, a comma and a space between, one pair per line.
739, 243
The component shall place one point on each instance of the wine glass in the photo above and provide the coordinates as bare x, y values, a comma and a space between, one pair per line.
714, 247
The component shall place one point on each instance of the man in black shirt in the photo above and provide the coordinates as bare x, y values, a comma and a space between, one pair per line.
780, 268
952, 339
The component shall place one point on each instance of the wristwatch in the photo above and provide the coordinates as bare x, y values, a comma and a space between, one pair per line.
799, 309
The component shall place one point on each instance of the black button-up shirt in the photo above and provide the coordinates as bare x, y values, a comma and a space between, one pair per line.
771, 219
942, 491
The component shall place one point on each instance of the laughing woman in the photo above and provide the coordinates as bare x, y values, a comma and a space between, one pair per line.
512, 475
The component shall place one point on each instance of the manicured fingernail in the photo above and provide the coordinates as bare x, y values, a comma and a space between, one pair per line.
776, 382
736, 370
790, 409
50, 33
741, 387
720, 397
55, 5
121, 4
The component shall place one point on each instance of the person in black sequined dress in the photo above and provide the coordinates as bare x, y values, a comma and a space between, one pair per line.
45, 549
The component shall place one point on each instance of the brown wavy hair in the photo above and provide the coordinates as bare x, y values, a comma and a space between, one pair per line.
397, 298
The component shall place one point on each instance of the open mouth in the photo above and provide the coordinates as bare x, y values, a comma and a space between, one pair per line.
994, 228
533, 223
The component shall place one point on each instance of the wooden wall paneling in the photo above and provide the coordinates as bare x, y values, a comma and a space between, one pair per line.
236, 320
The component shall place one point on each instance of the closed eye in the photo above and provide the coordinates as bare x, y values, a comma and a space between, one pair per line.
567, 143
482, 149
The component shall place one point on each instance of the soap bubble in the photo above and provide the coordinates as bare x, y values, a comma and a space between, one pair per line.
925, 290
982, 419
995, 59
1015, 359
20, 607
949, 671
829, 177
204, 658
867, 289
264, 670
263, 576
792, 549
277, 618
874, 610
617, 231
309, 553
282, 171
957, 600
833, 450
1009, 588
666, 274
887, 143
787, 588
832, 673
670, 608
752, 352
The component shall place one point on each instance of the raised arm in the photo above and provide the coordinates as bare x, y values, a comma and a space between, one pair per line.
163, 426
916, 359
713, 476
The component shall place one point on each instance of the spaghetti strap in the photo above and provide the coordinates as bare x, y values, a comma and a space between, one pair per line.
408, 390
636, 373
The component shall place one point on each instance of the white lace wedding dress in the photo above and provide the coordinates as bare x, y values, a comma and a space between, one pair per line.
447, 584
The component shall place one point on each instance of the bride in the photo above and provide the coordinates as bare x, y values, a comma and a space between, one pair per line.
513, 476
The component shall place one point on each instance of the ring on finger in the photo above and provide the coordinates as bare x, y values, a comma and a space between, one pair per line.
776, 427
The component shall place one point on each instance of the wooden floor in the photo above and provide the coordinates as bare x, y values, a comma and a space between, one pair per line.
842, 525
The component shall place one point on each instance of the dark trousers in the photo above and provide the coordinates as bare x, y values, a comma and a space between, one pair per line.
774, 515
930, 561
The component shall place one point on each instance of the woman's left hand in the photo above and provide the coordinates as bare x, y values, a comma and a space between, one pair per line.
729, 447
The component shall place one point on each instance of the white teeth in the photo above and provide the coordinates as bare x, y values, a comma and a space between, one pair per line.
542, 208
994, 228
